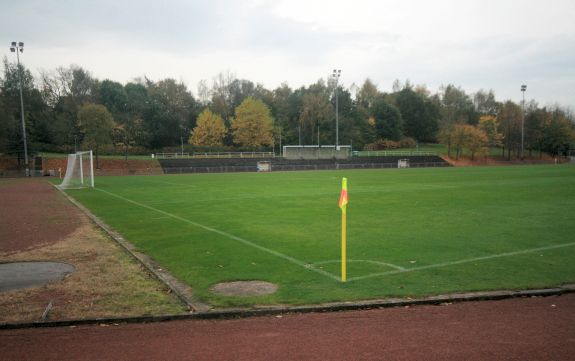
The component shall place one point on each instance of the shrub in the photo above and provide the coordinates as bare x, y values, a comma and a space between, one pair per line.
407, 142
382, 144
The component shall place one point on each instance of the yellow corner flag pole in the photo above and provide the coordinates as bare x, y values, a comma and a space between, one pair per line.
343, 205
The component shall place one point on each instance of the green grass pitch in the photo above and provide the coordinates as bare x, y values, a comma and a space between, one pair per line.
411, 232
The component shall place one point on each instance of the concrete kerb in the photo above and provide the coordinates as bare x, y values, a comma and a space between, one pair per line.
205, 312
184, 292
330, 307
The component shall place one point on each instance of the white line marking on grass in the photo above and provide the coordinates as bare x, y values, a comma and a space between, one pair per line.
228, 235
172, 183
445, 264
362, 260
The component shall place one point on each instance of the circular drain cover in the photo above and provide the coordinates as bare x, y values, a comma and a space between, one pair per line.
32, 274
244, 288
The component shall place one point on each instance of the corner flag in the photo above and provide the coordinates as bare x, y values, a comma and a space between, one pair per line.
343, 196
343, 205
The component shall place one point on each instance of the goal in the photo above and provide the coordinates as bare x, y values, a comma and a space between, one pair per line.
264, 166
79, 172
403, 163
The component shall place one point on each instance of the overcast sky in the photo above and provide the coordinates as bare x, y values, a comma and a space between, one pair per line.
484, 44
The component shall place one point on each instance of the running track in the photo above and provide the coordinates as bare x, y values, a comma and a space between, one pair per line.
515, 329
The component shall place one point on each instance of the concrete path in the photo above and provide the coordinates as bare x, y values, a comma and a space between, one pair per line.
32, 274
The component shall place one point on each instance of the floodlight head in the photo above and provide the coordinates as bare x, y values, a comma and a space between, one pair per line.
14, 43
523, 88
21, 44
12, 49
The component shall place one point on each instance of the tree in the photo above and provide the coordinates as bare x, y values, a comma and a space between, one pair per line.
476, 140
222, 95
447, 136
559, 133
457, 106
8, 129
281, 106
510, 122
535, 123
252, 125
203, 92
35, 110
459, 138
488, 124
130, 133
209, 131
316, 112
367, 94
64, 90
419, 116
113, 96
97, 125
170, 113
485, 103
387, 120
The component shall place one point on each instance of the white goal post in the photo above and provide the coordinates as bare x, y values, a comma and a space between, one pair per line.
264, 166
403, 163
79, 171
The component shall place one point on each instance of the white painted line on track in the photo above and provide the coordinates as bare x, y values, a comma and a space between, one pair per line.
445, 264
230, 236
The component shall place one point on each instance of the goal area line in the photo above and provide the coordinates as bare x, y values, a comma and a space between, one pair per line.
468, 260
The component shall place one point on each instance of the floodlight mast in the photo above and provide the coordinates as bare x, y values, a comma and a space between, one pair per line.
335, 75
19, 48
523, 89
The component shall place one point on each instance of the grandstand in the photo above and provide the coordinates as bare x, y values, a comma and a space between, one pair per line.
210, 165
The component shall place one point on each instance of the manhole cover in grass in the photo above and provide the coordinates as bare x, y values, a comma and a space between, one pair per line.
32, 274
244, 288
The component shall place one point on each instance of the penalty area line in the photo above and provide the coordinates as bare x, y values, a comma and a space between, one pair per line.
468, 260
227, 235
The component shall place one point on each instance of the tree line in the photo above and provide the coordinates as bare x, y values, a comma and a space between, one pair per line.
67, 108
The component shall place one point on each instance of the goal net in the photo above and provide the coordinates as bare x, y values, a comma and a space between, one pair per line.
264, 166
79, 172
403, 163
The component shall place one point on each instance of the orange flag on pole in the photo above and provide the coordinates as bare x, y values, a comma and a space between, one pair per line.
343, 195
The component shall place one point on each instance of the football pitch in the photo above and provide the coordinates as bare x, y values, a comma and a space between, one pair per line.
411, 232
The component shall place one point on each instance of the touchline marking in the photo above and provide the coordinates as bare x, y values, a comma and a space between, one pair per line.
445, 264
228, 235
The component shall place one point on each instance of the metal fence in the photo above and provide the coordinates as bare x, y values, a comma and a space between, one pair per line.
392, 153
296, 167
215, 155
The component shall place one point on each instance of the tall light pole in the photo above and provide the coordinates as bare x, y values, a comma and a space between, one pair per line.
335, 75
523, 89
19, 48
